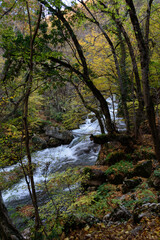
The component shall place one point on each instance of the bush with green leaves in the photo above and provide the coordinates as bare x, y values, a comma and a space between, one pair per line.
63, 189
11, 147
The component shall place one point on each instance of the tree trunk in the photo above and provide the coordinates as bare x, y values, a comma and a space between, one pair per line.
124, 77
7, 230
85, 75
139, 114
29, 81
144, 56
103, 104
120, 80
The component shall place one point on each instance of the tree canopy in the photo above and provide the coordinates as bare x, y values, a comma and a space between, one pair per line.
61, 61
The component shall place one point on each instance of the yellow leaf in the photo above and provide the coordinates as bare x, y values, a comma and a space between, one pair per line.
86, 228
102, 225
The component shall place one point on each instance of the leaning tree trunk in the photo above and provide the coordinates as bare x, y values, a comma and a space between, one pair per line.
97, 94
7, 230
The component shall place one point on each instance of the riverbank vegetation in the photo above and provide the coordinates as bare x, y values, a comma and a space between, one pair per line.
58, 63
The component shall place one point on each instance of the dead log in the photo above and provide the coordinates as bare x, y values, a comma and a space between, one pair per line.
126, 140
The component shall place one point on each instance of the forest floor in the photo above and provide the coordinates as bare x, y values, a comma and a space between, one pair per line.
148, 225
149, 228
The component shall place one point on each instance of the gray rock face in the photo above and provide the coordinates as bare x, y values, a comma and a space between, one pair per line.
63, 135
145, 210
120, 213
53, 137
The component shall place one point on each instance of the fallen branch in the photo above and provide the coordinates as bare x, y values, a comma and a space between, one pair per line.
125, 140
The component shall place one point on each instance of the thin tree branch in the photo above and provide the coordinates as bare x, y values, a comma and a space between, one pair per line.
9, 10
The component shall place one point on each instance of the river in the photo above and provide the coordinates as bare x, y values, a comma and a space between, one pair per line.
81, 151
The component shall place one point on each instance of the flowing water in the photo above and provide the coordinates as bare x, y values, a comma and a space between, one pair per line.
81, 151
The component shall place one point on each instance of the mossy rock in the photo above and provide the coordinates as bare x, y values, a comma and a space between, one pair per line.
143, 169
96, 177
87, 171
115, 157
120, 167
116, 173
130, 184
143, 154
154, 180
148, 155
104, 189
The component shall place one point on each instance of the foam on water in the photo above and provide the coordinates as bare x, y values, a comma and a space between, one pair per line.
81, 151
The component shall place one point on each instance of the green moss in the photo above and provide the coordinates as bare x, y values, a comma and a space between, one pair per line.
146, 196
156, 173
87, 170
120, 167
117, 156
104, 189
114, 157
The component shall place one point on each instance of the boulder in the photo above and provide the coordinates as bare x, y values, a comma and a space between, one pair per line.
39, 142
145, 210
143, 169
114, 157
96, 177
119, 214
154, 180
115, 178
129, 184
62, 135
53, 142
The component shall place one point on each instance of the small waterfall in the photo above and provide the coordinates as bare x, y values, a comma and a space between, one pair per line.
81, 151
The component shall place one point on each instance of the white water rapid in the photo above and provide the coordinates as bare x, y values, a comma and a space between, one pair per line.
81, 151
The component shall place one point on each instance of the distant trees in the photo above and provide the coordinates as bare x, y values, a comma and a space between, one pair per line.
39, 53
117, 19
118, 14
85, 73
